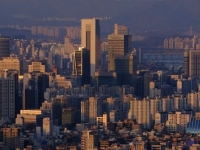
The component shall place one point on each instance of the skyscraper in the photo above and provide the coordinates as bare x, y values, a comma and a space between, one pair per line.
34, 86
126, 66
119, 44
4, 47
82, 65
8, 89
90, 39
192, 63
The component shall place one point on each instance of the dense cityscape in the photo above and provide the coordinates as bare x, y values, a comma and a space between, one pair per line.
70, 88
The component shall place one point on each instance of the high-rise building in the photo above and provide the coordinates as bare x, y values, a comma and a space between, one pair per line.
192, 63
8, 94
85, 111
11, 137
70, 116
95, 109
82, 65
10, 63
119, 45
87, 140
46, 126
4, 47
140, 110
90, 39
120, 30
34, 86
126, 66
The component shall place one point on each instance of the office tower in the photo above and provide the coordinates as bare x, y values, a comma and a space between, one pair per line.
10, 63
8, 94
119, 45
36, 67
87, 140
34, 86
90, 39
120, 30
85, 111
70, 116
4, 47
11, 137
95, 109
192, 63
81, 65
105, 78
126, 66
142, 84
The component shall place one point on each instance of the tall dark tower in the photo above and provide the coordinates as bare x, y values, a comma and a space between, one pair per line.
81, 64
4, 47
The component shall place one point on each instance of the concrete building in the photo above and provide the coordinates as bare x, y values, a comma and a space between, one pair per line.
140, 110
34, 86
81, 65
102, 121
87, 140
85, 111
4, 47
119, 45
193, 101
177, 121
32, 116
191, 63
105, 78
90, 39
8, 94
36, 67
12, 63
11, 137
70, 116
95, 109
126, 66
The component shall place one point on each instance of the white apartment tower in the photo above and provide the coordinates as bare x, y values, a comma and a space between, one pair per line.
90, 39
140, 110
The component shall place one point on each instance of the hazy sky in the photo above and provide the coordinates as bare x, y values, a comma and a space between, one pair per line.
135, 13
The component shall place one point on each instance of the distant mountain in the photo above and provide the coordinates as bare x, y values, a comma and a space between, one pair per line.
139, 15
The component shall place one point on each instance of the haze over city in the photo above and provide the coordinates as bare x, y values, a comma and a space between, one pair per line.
99, 75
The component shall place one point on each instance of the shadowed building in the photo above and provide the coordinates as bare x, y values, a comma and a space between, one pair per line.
82, 65
192, 63
4, 47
